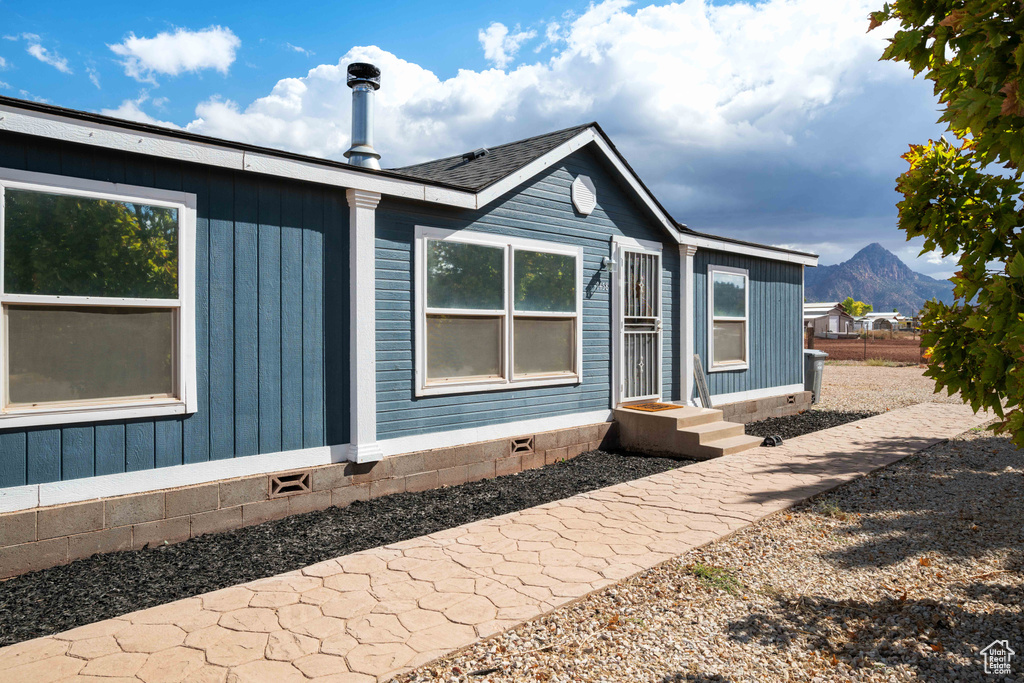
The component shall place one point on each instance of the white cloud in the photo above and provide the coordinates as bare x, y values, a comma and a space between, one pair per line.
94, 76
132, 111
36, 49
3, 63
500, 47
674, 85
4, 85
174, 53
301, 50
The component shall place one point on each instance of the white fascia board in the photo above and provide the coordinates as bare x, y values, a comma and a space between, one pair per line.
584, 138
65, 129
702, 242
489, 194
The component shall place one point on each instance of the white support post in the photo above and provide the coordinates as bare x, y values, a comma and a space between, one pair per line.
363, 446
686, 252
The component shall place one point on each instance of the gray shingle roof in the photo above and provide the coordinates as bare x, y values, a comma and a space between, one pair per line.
499, 161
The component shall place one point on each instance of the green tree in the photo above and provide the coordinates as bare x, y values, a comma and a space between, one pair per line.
856, 308
964, 195
79, 246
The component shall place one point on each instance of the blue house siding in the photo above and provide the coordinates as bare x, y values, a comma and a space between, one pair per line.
539, 209
272, 341
775, 320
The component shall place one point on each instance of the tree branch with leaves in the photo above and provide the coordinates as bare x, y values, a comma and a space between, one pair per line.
965, 195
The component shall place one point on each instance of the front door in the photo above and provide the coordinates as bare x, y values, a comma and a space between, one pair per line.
639, 324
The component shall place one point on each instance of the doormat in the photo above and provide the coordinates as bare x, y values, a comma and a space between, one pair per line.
653, 407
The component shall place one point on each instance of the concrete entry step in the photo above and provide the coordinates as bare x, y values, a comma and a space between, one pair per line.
689, 432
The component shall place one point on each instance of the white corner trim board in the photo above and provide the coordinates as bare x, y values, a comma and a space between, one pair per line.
363, 326
126, 483
507, 430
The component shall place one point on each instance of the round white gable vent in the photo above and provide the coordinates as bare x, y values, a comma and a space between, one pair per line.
584, 194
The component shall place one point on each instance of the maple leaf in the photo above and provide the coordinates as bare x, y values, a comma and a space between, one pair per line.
955, 20
1011, 104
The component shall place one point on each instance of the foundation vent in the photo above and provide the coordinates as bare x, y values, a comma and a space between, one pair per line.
791, 399
290, 483
523, 444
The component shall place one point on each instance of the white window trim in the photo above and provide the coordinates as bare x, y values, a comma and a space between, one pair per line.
185, 367
735, 365
508, 381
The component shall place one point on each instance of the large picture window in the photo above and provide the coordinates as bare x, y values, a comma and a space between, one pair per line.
96, 297
495, 312
728, 320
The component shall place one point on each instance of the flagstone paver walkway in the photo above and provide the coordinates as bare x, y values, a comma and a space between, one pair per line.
368, 616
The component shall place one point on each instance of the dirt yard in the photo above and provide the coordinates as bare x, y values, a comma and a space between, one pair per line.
856, 386
898, 350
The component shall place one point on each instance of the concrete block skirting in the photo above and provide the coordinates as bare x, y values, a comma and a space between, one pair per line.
763, 408
50, 536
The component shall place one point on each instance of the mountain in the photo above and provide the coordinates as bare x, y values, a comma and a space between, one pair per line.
876, 276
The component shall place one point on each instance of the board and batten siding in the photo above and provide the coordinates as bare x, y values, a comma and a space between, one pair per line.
271, 323
539, 209
775, 319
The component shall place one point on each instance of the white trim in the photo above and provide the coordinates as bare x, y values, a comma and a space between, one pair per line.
803, 330
124, 483
633, 243
753, 394
687, 319
363, 326
733, 366
186, 401
214, 153
85, 413
508, 380
507, 430
76, 490
704, 242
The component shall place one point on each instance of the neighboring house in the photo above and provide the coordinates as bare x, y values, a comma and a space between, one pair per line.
202, 333
829, 320
884, 320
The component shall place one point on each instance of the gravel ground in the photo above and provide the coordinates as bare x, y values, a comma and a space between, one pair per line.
903, 575
793, 426
106, 586
856, 386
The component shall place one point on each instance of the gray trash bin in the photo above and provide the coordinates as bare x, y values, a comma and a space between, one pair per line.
814, 366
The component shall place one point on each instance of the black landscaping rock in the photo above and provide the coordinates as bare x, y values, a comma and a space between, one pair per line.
106, 586
792, 426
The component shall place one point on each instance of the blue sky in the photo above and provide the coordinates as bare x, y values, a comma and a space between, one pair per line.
772, 122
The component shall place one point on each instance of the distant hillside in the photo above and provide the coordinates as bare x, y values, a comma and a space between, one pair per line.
876, 276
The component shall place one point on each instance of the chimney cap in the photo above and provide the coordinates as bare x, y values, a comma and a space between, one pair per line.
363, 73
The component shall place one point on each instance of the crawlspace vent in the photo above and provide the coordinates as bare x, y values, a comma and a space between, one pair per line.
289, 484
523, 444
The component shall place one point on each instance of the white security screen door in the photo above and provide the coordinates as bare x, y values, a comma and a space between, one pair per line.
639, 322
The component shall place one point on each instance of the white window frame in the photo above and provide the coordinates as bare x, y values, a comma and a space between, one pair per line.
732, 365
508, 380
185, 399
